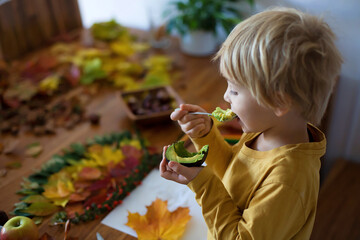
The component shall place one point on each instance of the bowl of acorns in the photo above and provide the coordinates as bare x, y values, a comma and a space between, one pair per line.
151, 105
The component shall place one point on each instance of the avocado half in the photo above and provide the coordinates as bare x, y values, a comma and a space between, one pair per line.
223, 115
177, 153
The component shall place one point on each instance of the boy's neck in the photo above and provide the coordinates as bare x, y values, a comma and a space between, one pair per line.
289, 130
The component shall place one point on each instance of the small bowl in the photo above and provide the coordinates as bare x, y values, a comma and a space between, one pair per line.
151, 105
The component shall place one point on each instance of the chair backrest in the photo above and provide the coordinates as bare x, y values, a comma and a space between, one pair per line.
26, 25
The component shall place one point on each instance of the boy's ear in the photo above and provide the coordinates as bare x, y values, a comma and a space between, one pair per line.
283, 107
281, 111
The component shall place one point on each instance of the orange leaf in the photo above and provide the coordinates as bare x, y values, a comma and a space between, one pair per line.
71, 209
159, 223
80, 196
89, 173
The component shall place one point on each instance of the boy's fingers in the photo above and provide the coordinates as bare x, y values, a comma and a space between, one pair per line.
179, 169
191, 108
163, 165
177, 114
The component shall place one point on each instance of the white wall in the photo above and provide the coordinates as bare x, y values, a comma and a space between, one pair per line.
135, 14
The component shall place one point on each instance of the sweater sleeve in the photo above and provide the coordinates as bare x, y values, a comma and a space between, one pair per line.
219, 149
274, 211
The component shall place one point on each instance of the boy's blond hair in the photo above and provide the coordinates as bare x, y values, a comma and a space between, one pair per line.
283, 53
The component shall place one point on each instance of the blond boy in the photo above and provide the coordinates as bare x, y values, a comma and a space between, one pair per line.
280, 66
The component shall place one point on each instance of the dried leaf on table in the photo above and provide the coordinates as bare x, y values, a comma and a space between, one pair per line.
33, 150
10, 146
107, 31
92, 70
50, 84
46, 236
3, 172
158, 222
22, 91
13, 165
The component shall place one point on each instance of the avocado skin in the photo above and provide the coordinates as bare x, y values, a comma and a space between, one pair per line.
187, 164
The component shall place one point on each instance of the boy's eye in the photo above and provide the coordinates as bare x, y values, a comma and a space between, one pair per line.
233, 92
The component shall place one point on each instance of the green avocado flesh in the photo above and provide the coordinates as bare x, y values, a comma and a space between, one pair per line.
223, 115
177, 153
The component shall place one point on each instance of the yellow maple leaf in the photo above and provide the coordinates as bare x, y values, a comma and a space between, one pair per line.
159, 223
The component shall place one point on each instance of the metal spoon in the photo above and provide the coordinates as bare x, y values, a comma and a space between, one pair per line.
197, 113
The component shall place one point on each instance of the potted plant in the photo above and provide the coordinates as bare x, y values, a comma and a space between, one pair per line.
198, 22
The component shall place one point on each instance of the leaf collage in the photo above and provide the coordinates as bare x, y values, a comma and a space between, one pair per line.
87, 180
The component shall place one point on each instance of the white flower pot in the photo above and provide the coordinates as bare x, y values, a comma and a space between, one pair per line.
199, 43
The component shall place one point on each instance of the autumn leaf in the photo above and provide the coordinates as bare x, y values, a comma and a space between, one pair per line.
22, 91
33, 150
35, 198
41, 209
72, 209
50, 83
13, 165
10, 146
89, 173
81, 196
46, 236
159, 223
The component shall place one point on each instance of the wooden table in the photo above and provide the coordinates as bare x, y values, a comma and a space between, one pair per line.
200, 83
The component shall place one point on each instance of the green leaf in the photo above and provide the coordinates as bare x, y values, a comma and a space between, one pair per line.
41, 209
78, 148
38, 220
35, 198
29, 191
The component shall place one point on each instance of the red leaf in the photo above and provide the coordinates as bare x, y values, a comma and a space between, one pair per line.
97, 199
119, 170
100, 184
131, 151
81, 184
47, 62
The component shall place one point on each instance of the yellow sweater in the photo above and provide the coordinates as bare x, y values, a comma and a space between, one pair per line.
249, 194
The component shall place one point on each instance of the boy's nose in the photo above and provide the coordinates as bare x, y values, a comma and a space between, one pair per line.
226, 97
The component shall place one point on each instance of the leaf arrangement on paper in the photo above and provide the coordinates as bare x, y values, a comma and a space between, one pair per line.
87, 180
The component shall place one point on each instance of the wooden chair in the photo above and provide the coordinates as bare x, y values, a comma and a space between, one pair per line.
26, 25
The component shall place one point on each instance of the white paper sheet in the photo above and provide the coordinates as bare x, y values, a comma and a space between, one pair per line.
152, 187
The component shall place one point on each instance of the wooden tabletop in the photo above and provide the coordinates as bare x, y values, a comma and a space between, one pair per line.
200, 83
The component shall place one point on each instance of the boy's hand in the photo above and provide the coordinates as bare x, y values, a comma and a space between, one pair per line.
176, 172
195, 126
